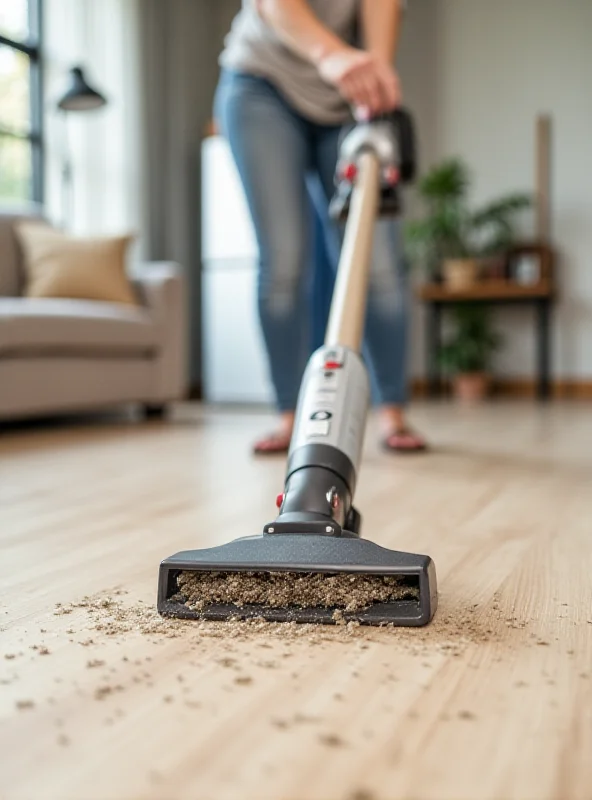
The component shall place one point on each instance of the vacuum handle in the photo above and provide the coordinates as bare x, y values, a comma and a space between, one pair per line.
348, 305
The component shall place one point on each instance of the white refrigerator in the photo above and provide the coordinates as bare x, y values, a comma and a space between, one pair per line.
234, 360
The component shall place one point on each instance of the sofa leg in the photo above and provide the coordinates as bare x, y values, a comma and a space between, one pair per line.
155, 410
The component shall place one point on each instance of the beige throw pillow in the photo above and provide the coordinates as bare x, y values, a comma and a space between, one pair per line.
58, 265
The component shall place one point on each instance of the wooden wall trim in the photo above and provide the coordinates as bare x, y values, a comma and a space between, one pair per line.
563, 389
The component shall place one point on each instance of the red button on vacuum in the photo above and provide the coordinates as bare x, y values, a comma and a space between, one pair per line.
349, 172
279, 499
332, 365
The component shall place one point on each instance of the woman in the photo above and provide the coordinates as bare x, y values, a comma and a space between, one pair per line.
291, 73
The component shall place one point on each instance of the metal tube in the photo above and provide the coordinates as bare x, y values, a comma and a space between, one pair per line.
348, 306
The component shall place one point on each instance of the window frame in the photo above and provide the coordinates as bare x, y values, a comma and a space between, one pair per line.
33, 49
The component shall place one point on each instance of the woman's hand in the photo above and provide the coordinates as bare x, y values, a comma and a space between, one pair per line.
364, 80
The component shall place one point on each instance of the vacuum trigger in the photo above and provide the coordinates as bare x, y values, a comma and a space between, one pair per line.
349, 172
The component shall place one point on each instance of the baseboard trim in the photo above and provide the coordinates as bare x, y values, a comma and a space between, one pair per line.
525, 388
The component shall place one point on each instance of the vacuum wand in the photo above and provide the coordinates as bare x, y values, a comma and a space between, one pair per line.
348, 307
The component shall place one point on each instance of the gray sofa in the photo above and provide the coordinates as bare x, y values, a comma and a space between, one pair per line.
63, 356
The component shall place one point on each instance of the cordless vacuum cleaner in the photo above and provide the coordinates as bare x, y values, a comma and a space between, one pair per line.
309, 564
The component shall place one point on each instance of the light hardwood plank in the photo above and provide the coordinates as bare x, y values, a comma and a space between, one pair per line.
493, 700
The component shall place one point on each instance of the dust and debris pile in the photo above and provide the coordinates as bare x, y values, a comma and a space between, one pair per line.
347, 591
113, 617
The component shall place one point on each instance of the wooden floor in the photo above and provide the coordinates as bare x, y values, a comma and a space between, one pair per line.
98, 699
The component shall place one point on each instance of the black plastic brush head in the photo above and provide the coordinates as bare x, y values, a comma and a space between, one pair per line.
400, 588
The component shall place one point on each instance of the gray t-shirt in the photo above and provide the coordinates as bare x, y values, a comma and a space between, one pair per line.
253, 47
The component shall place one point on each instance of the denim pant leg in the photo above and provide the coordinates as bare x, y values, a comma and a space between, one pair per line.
387, 321
387, 316
271, 151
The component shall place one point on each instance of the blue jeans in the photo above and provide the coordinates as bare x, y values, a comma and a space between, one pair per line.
285, 161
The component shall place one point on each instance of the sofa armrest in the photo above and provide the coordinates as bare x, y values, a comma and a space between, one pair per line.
159, 285
162, 288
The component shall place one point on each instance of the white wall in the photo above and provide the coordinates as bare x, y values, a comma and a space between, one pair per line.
105, 145
497, 64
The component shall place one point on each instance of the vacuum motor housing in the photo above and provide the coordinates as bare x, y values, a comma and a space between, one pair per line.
391, 137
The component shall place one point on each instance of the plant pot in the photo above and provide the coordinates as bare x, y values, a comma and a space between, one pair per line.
460, 273
471, 387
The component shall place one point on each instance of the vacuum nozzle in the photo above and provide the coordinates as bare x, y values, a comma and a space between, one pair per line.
299, 578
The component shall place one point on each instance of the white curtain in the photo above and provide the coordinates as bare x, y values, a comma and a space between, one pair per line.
105, 145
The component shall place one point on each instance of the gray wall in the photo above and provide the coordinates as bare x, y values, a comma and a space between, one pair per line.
225, 12
418, 59
181, 40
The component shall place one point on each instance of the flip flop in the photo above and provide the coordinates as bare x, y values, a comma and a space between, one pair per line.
404, 440
273, 444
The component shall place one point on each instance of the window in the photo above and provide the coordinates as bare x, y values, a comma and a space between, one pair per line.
21, 144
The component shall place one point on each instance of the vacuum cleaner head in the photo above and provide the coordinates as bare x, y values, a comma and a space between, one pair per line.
299, 578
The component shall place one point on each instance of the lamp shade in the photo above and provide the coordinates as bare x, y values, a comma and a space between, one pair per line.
80, 96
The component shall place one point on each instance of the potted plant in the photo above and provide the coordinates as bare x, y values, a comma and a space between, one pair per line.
451, 238
466, 356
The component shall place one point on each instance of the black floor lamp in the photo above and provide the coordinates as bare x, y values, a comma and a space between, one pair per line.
79, 96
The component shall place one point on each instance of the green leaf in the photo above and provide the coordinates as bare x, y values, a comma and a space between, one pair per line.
500, 210
473, 342
447, 181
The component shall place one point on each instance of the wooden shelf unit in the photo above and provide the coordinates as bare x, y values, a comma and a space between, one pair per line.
487, 290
